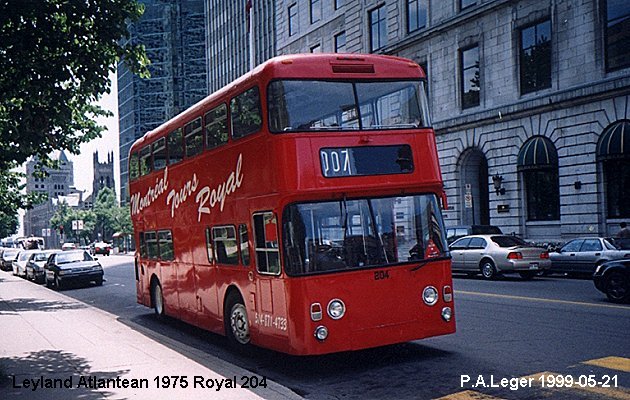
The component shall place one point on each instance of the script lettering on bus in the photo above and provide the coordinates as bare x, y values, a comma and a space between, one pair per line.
219, 194
139, 203
179, 197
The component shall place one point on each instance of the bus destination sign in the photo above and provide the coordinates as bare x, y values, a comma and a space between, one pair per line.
365, 160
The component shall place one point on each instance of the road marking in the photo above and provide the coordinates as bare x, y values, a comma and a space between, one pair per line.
469, 395
505, 296
618, 363
609, 393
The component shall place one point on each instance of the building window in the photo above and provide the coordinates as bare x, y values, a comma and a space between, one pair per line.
378, 28
316, 49
538, 162
466, 3
316, 11
470, 82
416, 14
535, 57
340, 42
613, 151
339, 4
293, 18
617, 35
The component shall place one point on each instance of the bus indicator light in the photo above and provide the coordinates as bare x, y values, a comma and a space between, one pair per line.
316, 312
321, 333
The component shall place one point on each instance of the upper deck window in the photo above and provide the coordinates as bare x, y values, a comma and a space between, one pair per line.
159, 154
216, 126
245, 113
175, 146
146, 164
193, 135
134, 167
301, 105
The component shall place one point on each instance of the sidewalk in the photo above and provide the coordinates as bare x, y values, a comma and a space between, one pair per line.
78, 351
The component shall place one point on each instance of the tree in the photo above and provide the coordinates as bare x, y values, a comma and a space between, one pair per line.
55, 61
11, 199
64, 215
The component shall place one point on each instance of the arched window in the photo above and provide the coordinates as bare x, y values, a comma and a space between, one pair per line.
538, 164
613, 151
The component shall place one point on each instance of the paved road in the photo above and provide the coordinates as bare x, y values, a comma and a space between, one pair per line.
506, 329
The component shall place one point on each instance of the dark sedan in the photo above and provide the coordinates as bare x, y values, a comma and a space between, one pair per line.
72, 266
613, 279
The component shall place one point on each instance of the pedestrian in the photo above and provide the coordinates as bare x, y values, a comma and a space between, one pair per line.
624, 232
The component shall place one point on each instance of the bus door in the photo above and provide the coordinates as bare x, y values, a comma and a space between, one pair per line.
140, 264
270, 316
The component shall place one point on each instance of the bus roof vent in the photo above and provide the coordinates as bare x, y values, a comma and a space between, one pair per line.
353, 68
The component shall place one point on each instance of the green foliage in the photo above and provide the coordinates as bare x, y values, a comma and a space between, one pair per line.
11, 199
55, 61
64, 215
111, 218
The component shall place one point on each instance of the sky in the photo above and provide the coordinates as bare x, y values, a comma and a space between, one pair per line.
108, 142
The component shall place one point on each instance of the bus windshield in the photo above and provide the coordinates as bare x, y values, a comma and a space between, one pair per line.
315, 105
360, 233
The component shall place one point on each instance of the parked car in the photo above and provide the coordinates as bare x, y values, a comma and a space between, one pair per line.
72, 266
583, 255
613, 279
8, 255
68, 246
35, 265
101, 248
455, 232
497, 254
19, 264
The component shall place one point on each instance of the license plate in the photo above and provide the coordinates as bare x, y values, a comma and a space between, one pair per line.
533, 266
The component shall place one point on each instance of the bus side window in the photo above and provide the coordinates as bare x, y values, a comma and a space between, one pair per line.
243, 238
159, 154
193, 136
175, 146
134, 167
209, 247
150, 239
225, 247
245, 113
146, 162
266, 238
216, 126
143, 246
165, 245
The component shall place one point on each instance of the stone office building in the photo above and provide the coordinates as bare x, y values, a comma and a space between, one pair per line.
530, 100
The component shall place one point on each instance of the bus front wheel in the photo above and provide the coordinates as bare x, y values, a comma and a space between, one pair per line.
236, 321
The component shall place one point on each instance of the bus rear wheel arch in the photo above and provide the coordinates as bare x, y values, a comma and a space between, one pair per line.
235, 320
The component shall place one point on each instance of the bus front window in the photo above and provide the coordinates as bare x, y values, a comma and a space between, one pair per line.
312, 105
361, 233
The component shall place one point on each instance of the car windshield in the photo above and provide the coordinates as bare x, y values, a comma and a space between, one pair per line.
315, 105
40, 256
351, 234
73, 256
508, 241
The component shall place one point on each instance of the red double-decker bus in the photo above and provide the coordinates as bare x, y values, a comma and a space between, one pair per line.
298, 208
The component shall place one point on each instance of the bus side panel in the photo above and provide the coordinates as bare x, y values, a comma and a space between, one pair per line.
168, 280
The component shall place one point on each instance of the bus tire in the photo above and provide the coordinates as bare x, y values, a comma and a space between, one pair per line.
157, 299
235, 321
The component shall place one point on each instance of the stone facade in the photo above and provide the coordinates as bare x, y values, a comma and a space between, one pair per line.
173, 33
477, 143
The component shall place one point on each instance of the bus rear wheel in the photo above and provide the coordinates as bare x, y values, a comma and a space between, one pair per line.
158, 299
236, 321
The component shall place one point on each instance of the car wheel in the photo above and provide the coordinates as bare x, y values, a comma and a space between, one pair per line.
617, 287
236, 321
527, 275
488, 271
48, 283
58, 283
99, 281
158, 300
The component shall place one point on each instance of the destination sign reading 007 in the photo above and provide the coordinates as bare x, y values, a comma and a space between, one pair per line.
366, 160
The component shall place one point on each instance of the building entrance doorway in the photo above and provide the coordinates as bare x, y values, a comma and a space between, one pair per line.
475, 201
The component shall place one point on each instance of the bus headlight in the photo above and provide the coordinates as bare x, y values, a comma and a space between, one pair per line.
430, 295
336, 309
447, 313
321, 333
